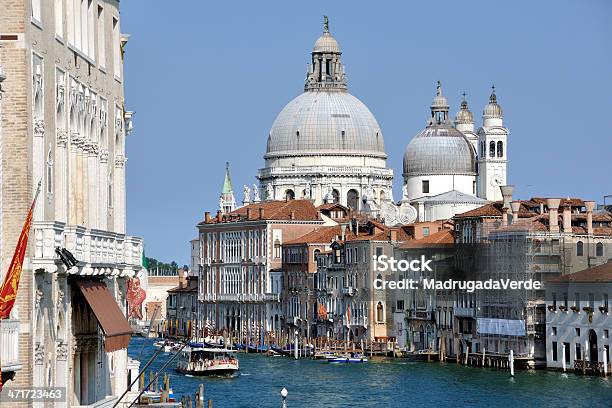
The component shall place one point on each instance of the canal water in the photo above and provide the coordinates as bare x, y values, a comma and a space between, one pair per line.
381, 383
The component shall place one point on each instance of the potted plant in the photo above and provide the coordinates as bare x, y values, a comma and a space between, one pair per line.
563, 308
552, 308
575, 309
588, 309
603, 309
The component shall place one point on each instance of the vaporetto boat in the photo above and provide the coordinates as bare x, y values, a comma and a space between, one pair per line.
195, 359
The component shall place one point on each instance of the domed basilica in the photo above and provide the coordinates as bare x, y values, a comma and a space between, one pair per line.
327, 146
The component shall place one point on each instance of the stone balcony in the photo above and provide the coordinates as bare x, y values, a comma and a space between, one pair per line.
349, 291
271, 297
9, 345
98, 252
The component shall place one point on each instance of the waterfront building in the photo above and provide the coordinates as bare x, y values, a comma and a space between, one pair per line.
182, 309
156, 282
325, 144
522, 240
240, 264
421, 316
348, 307
64, 123
578, 321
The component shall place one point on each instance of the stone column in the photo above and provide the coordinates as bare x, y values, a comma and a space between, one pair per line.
92, 187
103, 190
75, 139
61, 173
38, 160
119, 194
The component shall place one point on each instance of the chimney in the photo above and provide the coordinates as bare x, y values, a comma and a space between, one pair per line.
292, 215
393, 235
553, 214
515, 205
343, 231
590, 205
507, 194
505, 216
567, 218
248, 213
218, 215
261, 213
541, 208
207, 216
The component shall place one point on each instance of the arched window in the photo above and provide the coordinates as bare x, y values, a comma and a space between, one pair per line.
277, 249
380, 313
500, 149
383, 197
579, 249
336, 196
289, 195
599, 249
492, 149
352, 199
314, 254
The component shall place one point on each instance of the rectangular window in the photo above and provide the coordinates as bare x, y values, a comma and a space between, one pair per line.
400, 305
578, 355
592, 300
577, 331
91, 51
425, 231
379, 251
554, 351
59, 18
425, 186
577, 303
116, 49
606, 333
554, 331
605, 300
36, 12
566, 346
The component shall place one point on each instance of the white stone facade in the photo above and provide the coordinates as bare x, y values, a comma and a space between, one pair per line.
66, 128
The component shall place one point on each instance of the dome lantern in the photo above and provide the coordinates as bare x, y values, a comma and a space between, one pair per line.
492, 113
326, 69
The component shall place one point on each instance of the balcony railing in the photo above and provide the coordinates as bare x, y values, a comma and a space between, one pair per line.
272, 297
464, 311
349, 291
9, 345
98, 252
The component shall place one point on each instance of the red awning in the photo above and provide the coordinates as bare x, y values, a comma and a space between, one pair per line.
117, 330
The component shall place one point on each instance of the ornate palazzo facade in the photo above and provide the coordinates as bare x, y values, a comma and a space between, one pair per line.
64, 124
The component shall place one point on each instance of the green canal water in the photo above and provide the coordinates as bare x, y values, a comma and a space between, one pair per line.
382, 383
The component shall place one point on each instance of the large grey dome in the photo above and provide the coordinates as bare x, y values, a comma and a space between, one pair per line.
325, 122
439, 149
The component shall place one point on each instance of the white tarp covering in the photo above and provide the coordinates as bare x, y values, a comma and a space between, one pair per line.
503, 327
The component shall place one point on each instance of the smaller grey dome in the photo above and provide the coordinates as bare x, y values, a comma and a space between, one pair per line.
326, 44
492, 109
464, 115
439, 149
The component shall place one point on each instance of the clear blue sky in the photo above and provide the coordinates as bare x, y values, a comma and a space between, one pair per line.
207, 79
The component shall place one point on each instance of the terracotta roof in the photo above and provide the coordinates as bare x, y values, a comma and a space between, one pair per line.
323, 235
301, 210
601, 273
329, 206
495, 210
574, 202
441, 238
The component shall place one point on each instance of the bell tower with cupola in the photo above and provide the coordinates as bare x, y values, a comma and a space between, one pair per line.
492, 151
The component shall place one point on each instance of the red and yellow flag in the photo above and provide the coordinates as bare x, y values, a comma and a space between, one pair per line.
8, 290
10, 284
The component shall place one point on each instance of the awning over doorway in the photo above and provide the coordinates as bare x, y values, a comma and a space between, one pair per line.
117, 330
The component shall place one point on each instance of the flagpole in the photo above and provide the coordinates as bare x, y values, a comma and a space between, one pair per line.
30, 212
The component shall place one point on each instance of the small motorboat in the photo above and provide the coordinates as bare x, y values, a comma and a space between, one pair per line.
348, 358
164, 344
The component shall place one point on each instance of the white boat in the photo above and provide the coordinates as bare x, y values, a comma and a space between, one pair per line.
348, 358
165, 344
198, 360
